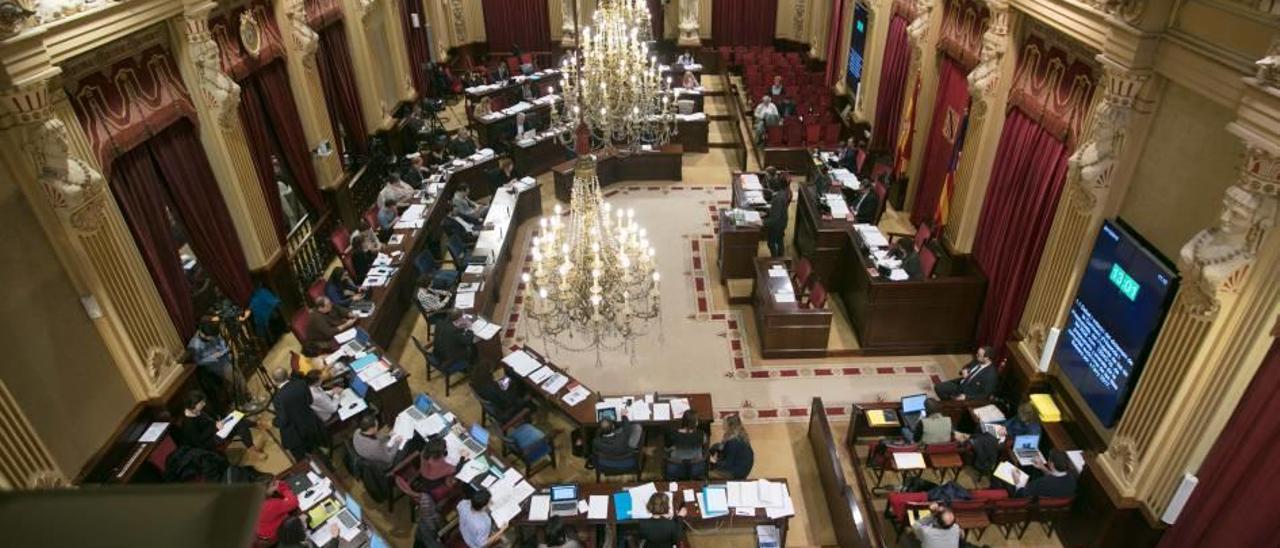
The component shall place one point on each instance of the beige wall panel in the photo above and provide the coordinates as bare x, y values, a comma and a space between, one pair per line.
62, 374
1230, 30
1188, 162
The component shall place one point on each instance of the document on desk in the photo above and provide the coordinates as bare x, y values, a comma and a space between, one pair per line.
404, 428
839, 209
472, 469
502, 515
316, 493
1077, 460
598, 507
430, 426
522, 362
750, 181
540, 508
871, 235
1010, 474
770, 492
640, 499
786, 508
382, 381
554, 383
662, 411
576, 395
485, 329
909, 461
343, 337
639, 410
541, 374
679, 406
784, 297
778, 271
153, 432
228, 423
898, 275
464, 301
350, 404
714, 501
373, 371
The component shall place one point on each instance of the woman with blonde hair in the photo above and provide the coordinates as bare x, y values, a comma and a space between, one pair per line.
733, 457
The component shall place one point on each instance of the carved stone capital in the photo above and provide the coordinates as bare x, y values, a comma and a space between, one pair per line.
984, 78
218, 91
1129, 11
1218, 259
918, 28
1123, 454
689, 23
457, 15
798, 19
1089, 168
305, 40
15, 16
1268, 74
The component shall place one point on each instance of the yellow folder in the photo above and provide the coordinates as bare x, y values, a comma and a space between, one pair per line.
877, 417
1045, 407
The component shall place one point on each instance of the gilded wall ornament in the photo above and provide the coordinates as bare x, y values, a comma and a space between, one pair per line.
250, 33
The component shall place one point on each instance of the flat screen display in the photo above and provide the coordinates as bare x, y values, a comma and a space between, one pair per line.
857, 44
1118, 310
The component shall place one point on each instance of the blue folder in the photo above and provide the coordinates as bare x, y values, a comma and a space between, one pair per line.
622, 506
363, 362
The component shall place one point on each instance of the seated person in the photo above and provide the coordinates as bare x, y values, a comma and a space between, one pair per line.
374, 444
865, 205
436, 154
501, 73
556, 535
472, 79
1056, 479
662, 529
364, 250
766, 115
435, 470
1027, 422
524, 123
686, 443
848, 156
776, 89
504, 397
462, 144
211, 352
340, 289
482, 108
279, 505
528, 92
323, 401
938, 529
732, 457
325, 320
452, 341
690, 80
416, 172
936, 426
686, 59
429, 521
977, 379
467, 208
387, 215
616, 438
199, 430
475, 524
396, 191
905, 251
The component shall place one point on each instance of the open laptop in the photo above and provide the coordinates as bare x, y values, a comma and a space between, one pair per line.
478, 441
913, 409
1026, 448
564, 500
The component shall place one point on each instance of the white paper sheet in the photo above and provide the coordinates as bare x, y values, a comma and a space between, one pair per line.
522, 363
598, 507
153, 432
540, 508
576, 395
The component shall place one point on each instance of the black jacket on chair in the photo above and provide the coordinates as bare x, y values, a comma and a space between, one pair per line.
300, 428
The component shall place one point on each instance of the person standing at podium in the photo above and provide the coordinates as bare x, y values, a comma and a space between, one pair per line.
775, 222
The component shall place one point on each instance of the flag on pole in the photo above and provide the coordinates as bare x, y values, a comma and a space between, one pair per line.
949, 182
905, 132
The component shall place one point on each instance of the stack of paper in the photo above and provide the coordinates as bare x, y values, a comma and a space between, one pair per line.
839, 209
598, 507
845, 178
871, 235
988, 413
750, 181
464, 300
679, 406
746, 217
662, 411
484, 329
576, 395
540, 508
1010, 474
787, 295
754, 197
522, 363
228, 423
909, 461
778, 271
639, 410
541, 374
554, 383
640, 499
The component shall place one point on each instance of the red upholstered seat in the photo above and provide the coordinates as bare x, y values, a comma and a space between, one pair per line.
316, 289
298, 324
927, 261
830, 134
159, 456
795, 134
773, 136
812, 134
371, 216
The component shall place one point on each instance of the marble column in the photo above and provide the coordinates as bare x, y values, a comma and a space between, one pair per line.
989, 84
217, 101
300, 43
47, 155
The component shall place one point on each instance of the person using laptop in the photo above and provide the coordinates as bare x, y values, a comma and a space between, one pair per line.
935, 427
616, 438
341, 289
324, 402
1027, 422
977, 380
1056, 479
375, 445
435, 471
556, 535
911, 413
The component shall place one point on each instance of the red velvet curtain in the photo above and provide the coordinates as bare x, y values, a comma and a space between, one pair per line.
1235, 502
743, 22
277, 98
333, 59
893, 80
142, 198
1022, 197
194, 191
261, 146
948, 111
517, 22
414, 21
658, 17
835, 68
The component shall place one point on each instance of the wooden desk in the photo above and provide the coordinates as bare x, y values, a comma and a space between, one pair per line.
536, 159
541, 79
849, 505
793, 159
508, 210
694, 518
661, 163
739, 245
693, 135
960, 413
786, 330
931, 316
499, 130
819, 238
341, 494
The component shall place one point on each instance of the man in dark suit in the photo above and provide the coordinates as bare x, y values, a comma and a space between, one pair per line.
775, 222
452, 342
848, 157
524, 122
462, 145
301, 432
501, 74
771, 179
977, 380
414, 173
1056, 481
905, 251
865, 205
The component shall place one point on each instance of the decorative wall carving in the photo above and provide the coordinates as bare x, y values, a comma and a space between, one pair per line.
963, 24
1218, 258
984, 77
918, 28
1054, 86
458, 14
220, 93
15, 15
305, 39
798, 19
1269, 66
568, 27
74, 189
1124, 452
229, 31
1128, 10
1089, 168
689, 23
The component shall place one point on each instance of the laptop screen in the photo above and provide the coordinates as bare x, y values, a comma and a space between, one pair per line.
913, 404
480, 434
564, 492
1029, 441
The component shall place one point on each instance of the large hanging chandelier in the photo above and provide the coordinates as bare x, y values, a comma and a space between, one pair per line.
594, 282
613, 83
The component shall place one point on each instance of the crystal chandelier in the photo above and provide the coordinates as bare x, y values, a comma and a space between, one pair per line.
594, 279
614, 85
